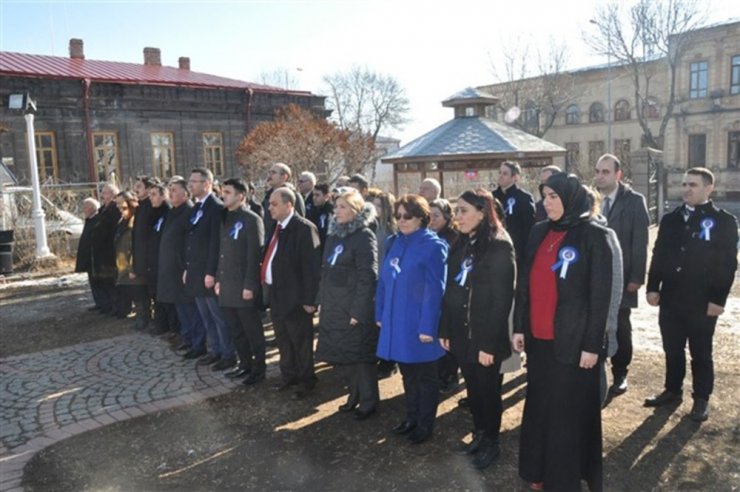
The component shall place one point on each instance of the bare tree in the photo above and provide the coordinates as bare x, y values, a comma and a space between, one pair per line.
541, 89
646, 39
279, 77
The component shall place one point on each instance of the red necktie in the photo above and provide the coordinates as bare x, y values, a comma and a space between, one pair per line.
270, 249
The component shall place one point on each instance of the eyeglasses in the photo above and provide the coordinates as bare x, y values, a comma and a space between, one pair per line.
406, 216
196, 181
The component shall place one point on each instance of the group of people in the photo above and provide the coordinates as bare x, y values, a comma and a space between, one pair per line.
433, 288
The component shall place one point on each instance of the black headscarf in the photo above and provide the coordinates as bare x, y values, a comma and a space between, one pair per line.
576, 206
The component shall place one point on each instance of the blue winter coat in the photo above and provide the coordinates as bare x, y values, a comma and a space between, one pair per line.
409, 296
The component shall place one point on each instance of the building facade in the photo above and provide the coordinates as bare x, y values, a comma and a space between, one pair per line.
99, 121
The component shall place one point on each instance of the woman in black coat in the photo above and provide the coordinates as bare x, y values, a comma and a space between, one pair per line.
563, 298
475, 316
348, 336
131, 287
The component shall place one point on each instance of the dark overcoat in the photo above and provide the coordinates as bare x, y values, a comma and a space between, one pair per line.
241, 237
171, 263
201, 245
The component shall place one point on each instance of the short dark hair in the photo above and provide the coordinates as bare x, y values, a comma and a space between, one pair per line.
614, 159
205, 172
416, 206
237, 183
360, 180
182, 183
148, 181
159, 186
706, 175
514, 167
322, 187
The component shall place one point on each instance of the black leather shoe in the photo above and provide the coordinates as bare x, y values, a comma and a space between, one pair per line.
449, 386
665, 398
183, 346
208, 359
347, 407
93, 308
237, 372
700, 410
487, 454
473, 446
364, 414
619, 387
463, 402
194, 354
300, 394
223, 364
403, 428
418, 436
282, 386
253, 379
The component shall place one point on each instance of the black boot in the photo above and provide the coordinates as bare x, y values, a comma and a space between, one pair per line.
473, 446
487, 453
700, 410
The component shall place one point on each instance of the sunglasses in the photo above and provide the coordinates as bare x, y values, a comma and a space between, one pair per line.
406, 216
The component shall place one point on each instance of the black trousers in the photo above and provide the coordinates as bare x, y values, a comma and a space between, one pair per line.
362, 381
484, 396
677, 326
421, 388
622, 358
246, 329
447, 367
165, 317
97, 292
136, 294
108, 294
294, 336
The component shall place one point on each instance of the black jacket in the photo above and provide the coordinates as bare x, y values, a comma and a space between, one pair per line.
687, 270
475, 315
103, 247
256, 208
584, 295
157, 217
171, 264
348, 291
296, 268
270, 223
83, 262
628, 217
201, 245
241, 237
519, 209
321, 217
140, 237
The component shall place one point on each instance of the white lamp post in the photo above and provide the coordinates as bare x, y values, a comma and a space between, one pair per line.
608, 86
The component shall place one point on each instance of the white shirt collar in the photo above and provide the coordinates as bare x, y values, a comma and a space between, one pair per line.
200, 200
284, 223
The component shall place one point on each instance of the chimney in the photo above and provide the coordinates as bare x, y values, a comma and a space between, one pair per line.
76, 49
184, 62
153, 57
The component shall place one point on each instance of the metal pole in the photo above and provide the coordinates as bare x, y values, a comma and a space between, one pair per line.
42, 249
609, 94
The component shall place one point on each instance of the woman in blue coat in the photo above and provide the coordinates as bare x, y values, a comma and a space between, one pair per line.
407, 310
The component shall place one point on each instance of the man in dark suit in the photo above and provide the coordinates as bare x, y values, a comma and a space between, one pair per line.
201, 262
321, 211
165, 316
691, 273
518, 207
83, 261
104, 250
140, 237
252, 203
627, 215
306, 183
278, 176
238, 280
290, 273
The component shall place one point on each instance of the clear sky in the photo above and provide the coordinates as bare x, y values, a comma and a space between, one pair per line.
433, 48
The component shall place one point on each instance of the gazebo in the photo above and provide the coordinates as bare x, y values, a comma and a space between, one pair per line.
466, 151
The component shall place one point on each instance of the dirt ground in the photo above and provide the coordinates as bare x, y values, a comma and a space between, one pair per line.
257, 439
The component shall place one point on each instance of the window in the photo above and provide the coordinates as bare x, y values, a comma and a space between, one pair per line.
531, 117
46, 155
733, 150
623, 149
698, 79
735, 75
596, 113
622, 110
595, 150
469, 111
572, 155
163, 155
213, 152
105, 150
572, 115
650, 108
697, 149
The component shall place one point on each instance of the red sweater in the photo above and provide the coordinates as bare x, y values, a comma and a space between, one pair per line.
543, 287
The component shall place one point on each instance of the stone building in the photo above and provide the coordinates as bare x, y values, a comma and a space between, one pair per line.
100, 120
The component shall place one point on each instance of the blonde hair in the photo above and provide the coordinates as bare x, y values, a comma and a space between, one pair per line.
353, 199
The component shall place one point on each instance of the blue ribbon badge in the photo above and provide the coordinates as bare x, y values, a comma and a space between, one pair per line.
195, 218
510, 205
465, 268
335, 254
322, 219
567, 256
706, 226
159, 223
234, 232
395, 265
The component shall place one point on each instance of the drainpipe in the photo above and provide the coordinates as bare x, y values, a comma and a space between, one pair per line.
248, 116
93, 173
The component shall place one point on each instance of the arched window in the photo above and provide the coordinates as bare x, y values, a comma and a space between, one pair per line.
622, 110
596, 113
572, 115
650, 108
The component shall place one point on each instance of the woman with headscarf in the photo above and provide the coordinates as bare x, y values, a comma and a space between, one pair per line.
347, 336
562, 307
475, 316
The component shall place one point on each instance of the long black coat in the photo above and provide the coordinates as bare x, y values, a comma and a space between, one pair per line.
171, 264
103, 246
83, 262
584, 295
521, 219
201, 245
475, 316
239, 257
140, 237
296, 268
157, 217
347, 291
628, 217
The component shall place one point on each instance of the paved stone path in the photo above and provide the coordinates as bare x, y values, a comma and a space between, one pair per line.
48, 396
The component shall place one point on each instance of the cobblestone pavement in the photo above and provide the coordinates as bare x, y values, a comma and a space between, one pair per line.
48, 396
